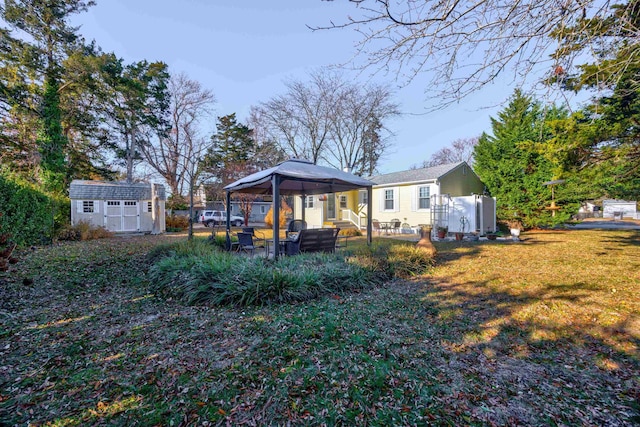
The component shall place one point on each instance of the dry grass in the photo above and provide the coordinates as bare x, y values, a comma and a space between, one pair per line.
543, 332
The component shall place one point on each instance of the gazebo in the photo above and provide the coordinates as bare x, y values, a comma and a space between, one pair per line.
297, 177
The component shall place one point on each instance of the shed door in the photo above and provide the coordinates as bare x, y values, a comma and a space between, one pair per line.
122, 215
130, 216
113, 215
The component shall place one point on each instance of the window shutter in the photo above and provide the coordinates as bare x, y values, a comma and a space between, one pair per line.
415, 197
96, 206
381, 200
396, 199
79, 207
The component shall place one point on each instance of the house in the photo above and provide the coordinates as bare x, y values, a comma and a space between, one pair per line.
119, 206
448, 195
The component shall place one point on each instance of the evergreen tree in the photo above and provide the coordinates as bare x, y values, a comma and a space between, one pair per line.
511, 164
37, 54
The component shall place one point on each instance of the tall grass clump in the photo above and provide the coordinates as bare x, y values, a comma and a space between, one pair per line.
208, 276
395, 260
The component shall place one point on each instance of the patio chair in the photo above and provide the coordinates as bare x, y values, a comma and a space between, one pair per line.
296, 226
245, 243
394, 225
375, 225
261, 238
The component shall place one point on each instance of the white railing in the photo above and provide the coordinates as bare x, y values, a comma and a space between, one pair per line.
351, 216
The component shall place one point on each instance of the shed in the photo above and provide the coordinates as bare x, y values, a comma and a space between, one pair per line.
618, 209
119, 206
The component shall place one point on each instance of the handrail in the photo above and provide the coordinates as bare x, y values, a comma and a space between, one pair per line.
351, 216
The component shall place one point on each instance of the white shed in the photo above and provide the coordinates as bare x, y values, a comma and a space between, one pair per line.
464, 214
119, 206
618, 209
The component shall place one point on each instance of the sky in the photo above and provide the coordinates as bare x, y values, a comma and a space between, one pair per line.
245, 50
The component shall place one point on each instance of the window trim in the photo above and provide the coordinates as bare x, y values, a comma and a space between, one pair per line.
428, 198
395, 192
309, 202
342, 201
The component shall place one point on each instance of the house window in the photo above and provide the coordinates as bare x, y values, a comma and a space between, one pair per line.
263, 209
388, 200
308, 202
88, 206
424, 198
130, 203
363, 197
343, 202
149, 207
113, 202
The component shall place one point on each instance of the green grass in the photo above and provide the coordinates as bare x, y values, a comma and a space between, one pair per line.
543, 332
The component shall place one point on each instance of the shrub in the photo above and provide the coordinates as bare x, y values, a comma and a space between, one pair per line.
28, 212
177, 222
268, 218
407, 261
199, 274
351, 232
83, 230
6, 249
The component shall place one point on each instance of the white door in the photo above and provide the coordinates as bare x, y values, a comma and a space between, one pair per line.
122, 215
113, 215
130, 216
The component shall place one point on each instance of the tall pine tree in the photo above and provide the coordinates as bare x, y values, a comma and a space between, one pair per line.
511, 164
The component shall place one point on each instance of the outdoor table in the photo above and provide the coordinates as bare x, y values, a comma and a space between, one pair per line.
282, 243
386, 226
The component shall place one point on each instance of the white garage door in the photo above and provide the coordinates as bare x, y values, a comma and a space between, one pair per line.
122, 215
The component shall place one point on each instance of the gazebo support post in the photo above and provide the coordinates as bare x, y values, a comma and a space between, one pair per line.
369, 214
275, 189
228, 238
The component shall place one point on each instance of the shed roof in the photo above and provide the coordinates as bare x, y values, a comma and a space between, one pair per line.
114, 190
415, 175
299, 177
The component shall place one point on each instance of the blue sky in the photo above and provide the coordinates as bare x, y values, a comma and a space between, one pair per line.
243, 50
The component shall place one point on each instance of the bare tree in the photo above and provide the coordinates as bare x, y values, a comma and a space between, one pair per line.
330, 120
463, 46
461, 150
300, 120
174, 154
358, 136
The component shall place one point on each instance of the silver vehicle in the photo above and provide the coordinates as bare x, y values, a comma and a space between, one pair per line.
209, 218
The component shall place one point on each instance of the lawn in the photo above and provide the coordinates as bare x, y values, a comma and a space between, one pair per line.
542, 332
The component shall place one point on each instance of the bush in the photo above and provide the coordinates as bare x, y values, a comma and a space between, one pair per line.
199, 274
395, 260
83, 230
177, 222
350, 232
28, 212
408, 261
268, 218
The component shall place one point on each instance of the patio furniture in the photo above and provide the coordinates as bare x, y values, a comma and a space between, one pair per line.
377, 226
245, 243
261, 238
295, 226
394, 225
313, 240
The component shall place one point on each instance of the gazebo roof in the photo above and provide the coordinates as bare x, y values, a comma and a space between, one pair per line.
299, 177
